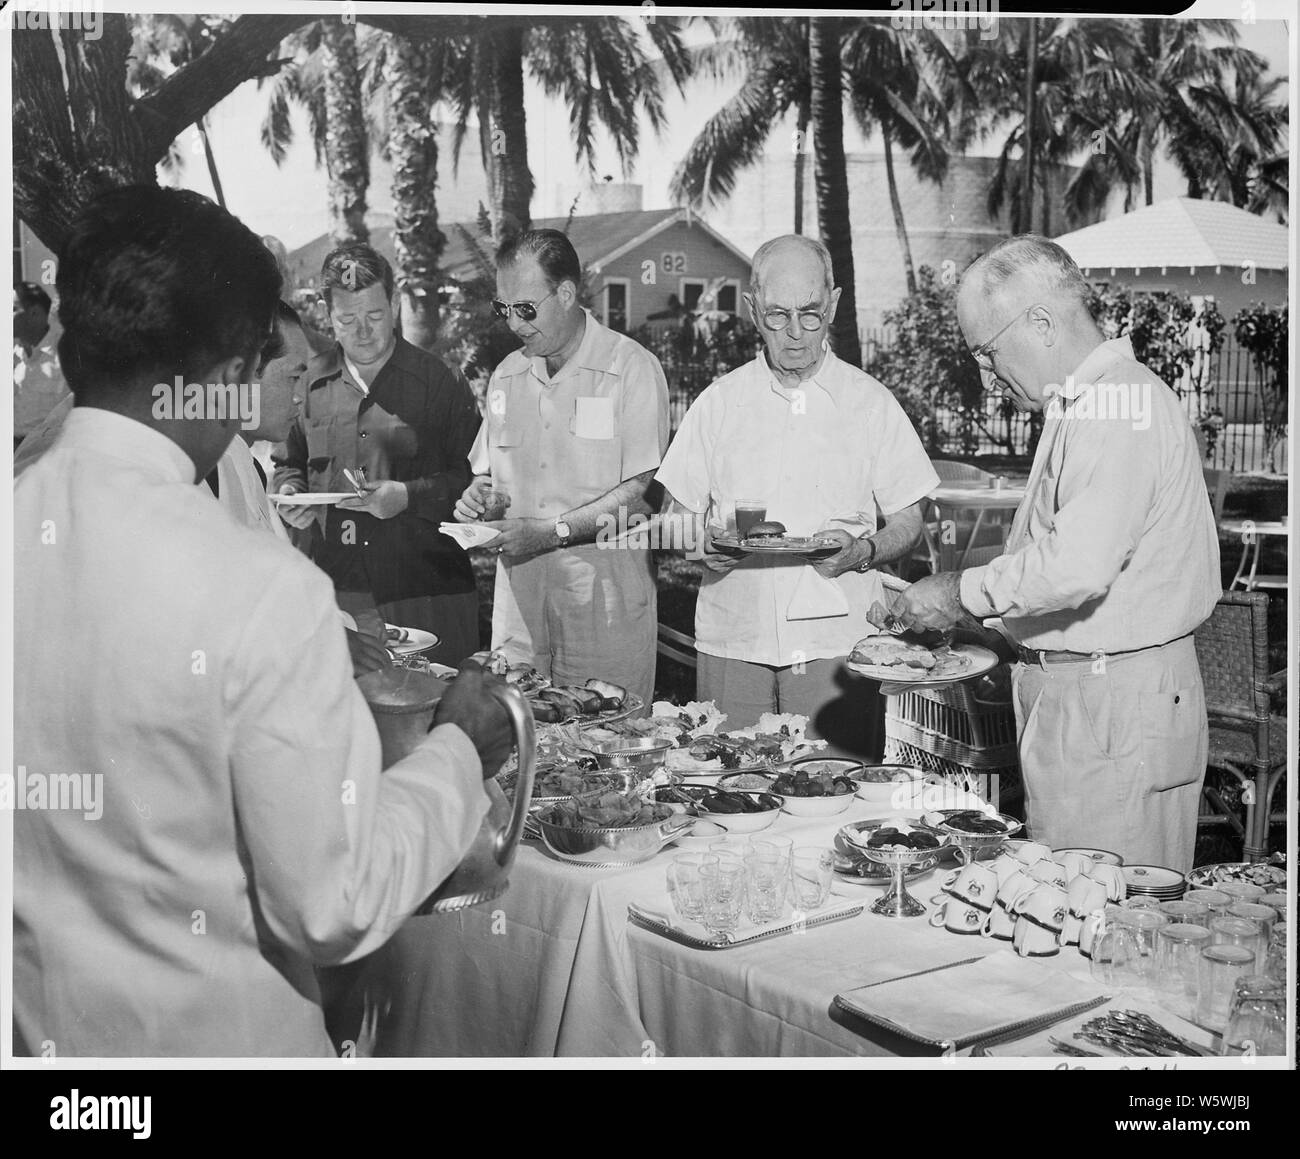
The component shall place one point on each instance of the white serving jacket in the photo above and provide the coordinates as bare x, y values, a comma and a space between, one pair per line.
200, 669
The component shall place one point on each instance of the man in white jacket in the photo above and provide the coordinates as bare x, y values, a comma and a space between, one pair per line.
199, 813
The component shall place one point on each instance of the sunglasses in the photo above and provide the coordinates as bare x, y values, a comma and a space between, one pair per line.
524, 311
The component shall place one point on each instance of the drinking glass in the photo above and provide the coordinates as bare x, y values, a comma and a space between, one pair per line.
1264, 915
1241, 890
1215, 899
1249, 935
776, 846
749, 512
1275, 960
767, 879
1275, 901
1117, 960
724, 896
1216, 975
1194, 913
1144, 923
496, 499
1257, 1018
685, 884
1178, 956
811, 875
729, 852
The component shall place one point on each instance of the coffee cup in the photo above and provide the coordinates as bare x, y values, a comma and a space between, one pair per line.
1004, 865
958, 916
1049, 872
975, 883
1030, 851
1014, 886
1112, 877
1084, 896
1000, 924
1040, 916
1074, 862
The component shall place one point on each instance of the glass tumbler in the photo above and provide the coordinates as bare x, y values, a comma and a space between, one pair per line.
1257, 1019
1215, 899
724, 896
1275, 960
1275, 901
1241, 890
1178, 956
1145, 923
811, 875
1117, 961
1216, 975
767, 879
1265, 915
1243, 932
685, 884
1194, 913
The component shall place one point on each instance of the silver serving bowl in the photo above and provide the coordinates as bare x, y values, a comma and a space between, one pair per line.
640, 754
598, 845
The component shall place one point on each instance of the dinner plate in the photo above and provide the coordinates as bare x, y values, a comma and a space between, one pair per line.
980, 659
312, 498
809, 546
417, 641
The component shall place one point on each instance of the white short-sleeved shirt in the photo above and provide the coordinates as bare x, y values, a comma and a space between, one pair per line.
557, 443
825, 454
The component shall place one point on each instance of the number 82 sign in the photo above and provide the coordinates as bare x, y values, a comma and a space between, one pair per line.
672, 262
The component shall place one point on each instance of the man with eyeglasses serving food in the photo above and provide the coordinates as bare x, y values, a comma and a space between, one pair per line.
1112, 562
576, 423
822, 445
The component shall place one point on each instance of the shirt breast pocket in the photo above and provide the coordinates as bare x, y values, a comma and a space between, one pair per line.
321, 449
593, 418
597, 459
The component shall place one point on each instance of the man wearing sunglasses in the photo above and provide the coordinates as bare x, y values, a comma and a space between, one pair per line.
576, 423
1111, 564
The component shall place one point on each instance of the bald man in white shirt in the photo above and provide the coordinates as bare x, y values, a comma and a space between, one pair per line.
1111, 564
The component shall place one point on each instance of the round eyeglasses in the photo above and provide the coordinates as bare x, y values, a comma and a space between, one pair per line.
780, 319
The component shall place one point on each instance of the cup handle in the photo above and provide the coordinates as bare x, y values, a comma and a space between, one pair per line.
986, 927
949, 879
936, 918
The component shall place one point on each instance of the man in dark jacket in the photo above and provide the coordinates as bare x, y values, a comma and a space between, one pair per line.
377, 404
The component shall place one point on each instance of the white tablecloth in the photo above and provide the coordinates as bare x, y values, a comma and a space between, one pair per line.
554, 968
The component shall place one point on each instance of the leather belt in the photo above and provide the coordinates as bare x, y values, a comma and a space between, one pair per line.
1042, 658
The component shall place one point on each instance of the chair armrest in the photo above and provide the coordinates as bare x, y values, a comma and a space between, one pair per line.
1276, 683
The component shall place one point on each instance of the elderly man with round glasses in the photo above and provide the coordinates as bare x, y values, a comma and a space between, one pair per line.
1111, 564
821, 445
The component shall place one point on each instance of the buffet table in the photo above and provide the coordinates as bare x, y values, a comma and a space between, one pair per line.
554, 968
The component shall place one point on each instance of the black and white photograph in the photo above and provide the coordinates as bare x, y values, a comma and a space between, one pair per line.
651, 538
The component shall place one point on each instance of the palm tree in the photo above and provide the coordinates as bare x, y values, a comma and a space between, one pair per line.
595, 65
896, 83
347, 149
826, 66
773, 54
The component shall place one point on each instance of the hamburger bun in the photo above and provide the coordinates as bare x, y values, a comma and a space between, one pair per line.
767, 530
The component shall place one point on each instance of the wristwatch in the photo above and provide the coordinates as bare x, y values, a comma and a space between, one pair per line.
562, 532
865, 567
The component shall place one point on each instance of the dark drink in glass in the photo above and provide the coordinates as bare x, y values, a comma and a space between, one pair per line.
749, 512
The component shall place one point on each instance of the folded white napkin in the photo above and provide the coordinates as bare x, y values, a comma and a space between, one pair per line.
469, 534
816, 597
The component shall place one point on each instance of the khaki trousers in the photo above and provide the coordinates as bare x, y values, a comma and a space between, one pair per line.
1113, 752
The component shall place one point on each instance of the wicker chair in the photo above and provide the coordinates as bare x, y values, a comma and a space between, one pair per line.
949, 730
1247, 739
943, 556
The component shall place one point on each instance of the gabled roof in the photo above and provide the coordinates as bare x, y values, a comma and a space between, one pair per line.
599, 239
1180, 232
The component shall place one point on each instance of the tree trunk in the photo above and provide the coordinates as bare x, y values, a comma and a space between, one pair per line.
347, 152
78, 133
1026, 211
832, 178
413, 151
211, 159
900, 226
801, 163
504, 137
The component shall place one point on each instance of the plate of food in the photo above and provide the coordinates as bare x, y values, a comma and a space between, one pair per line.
408, 641
1259, 873
771, 538
603, 830
311, 498
817, 786
890, 658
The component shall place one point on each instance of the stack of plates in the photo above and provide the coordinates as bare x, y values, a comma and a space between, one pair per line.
1154, 881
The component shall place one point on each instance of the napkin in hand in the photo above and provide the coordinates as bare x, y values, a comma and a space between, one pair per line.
816, 597
469, 534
